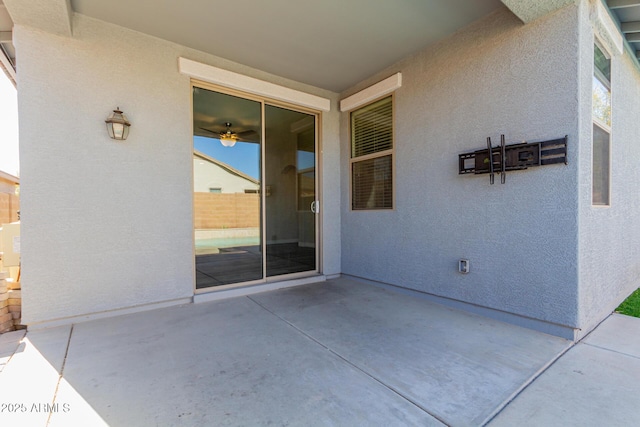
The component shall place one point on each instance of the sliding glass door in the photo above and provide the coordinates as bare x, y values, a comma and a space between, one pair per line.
290, 193
254, 187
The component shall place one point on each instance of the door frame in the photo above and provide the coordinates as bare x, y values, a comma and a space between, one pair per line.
263, 100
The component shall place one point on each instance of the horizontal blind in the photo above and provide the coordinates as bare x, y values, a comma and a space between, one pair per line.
372, 183
372, 128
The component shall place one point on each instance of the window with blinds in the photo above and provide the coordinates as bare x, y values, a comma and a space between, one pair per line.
601, 113
372, 156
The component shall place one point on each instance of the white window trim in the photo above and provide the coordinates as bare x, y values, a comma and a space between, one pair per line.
229, 79
607, 129
597, 74
604, 126
372, 93
605, 28
390, 152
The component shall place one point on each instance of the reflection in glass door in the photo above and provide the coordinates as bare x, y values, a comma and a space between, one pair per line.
246, 231
226, 185
290, 191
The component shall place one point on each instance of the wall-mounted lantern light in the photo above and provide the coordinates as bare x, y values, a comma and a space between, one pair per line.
118, 125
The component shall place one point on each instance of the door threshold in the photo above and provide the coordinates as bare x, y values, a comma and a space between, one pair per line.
216, 295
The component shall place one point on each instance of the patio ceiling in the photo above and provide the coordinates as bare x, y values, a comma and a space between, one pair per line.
627, 13
332, 44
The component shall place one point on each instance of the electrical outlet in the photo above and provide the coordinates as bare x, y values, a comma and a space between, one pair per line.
463, 266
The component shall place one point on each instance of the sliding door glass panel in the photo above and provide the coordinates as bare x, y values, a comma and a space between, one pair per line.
290, 191
227, 187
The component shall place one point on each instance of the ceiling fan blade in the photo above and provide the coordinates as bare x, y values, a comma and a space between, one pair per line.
244, 136
209, 130
247, 133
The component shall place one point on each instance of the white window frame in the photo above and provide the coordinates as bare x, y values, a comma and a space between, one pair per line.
370, 95
386, 153
604, 126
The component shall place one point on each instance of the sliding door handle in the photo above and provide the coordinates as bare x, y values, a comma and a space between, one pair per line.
315, 206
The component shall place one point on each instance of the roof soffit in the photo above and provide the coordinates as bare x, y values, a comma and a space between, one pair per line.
330, 44
626, 13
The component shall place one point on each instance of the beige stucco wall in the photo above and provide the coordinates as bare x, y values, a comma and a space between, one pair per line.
609, 237
109, 225
497, 76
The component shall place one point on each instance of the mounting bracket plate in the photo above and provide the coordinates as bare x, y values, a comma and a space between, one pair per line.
513, 157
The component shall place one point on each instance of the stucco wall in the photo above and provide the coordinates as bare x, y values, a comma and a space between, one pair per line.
496, 76
108, 225
609, 236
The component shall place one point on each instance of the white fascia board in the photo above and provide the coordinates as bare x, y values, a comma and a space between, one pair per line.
226, 78
371, 93
605, 28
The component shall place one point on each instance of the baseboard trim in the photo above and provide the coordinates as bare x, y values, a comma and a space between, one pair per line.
105, 314
250, 290
555, 329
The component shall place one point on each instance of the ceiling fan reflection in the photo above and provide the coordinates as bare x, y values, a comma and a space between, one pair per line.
228, 137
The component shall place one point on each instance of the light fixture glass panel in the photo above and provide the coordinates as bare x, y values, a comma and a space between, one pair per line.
228, 142
118, 130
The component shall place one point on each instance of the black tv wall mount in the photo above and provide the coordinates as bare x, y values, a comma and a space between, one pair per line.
512, 157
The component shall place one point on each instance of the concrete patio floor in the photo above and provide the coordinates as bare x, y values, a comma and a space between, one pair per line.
340, 352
